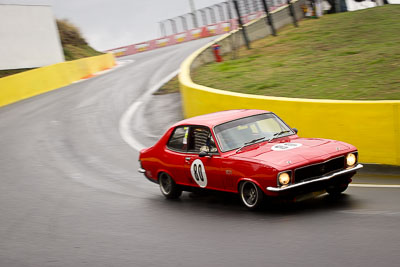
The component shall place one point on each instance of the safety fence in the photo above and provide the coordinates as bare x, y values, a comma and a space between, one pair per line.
212, 29
372, 126
34, 82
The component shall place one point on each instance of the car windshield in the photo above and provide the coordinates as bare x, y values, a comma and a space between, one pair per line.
250, 130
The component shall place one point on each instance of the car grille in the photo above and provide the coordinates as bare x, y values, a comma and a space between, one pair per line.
319, 169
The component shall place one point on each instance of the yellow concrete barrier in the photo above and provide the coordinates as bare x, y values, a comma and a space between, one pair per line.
34, 82
372, 126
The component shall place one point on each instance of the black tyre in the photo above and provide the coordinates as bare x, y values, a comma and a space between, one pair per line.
336, 190
251, 195
168, 187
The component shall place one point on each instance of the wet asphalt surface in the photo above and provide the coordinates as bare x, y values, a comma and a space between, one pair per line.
70, 194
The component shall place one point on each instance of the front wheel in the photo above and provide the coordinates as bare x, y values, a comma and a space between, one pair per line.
168, 187
251, 195
336, 190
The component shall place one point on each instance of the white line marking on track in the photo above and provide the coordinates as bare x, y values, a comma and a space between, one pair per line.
376, 185
125, 121
370, 212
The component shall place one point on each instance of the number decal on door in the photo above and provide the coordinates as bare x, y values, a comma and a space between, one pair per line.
199, 173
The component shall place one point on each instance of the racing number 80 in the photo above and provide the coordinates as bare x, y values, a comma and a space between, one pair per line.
199, 173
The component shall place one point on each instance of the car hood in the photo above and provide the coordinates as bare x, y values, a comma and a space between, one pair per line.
292, 151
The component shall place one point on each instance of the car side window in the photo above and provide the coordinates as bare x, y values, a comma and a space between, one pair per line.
178, 139
200, 139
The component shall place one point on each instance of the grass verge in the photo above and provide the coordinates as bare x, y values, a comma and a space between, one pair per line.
4, 73
73, 43
170, 87
352, 55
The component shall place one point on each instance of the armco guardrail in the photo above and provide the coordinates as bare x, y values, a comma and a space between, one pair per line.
372, 126
190, 35
186, 36
34, 82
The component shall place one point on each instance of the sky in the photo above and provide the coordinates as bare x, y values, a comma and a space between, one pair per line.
109, 24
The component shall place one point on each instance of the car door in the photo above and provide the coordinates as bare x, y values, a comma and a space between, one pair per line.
174, 157
204, 172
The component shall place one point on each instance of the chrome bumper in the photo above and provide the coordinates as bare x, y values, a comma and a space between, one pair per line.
141, 170
323, 178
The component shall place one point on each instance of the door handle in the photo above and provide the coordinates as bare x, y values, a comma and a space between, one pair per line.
187, 159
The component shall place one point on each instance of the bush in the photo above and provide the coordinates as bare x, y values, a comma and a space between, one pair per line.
74, 45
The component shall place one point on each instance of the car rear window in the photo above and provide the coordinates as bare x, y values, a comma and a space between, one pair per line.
178, 140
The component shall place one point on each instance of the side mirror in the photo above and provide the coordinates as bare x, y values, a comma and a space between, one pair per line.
295, 130
203, 154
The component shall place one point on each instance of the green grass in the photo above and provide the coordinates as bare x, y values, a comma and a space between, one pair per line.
73, 43
170, 87
352, 55
4, 73
72, 52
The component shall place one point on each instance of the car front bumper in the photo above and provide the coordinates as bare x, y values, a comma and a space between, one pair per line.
321, 181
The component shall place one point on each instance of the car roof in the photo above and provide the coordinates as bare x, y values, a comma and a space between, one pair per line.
216, 118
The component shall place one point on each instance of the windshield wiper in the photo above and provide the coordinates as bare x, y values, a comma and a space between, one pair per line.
277, 134
250, 143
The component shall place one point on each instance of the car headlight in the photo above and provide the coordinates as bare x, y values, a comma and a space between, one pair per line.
351, 159
284, 178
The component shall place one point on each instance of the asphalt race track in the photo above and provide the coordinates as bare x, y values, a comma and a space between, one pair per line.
70, 194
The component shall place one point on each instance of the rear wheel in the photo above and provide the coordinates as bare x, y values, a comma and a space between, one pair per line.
168, 187
251, 195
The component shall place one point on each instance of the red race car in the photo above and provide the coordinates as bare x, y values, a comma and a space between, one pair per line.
249, 152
